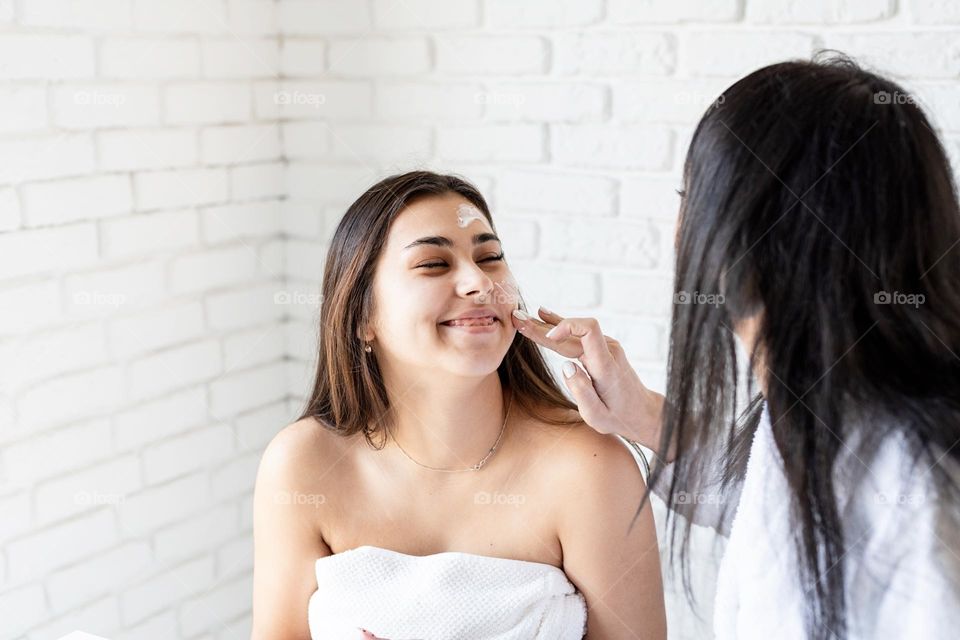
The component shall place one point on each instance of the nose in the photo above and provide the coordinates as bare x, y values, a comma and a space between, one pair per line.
472, 281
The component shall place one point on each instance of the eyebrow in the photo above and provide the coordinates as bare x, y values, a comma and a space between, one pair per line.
441, 241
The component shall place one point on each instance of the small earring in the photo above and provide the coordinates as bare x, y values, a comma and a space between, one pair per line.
368, 348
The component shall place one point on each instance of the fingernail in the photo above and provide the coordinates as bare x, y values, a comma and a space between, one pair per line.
569, 369
552, 332
545, 310
521, 315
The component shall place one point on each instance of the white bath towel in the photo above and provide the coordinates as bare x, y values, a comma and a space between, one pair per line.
442, 596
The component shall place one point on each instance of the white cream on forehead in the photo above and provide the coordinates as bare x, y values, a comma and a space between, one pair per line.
467, 213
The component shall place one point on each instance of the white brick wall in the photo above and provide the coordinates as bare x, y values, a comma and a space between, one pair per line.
168, 167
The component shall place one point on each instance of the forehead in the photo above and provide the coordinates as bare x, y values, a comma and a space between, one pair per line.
434, 216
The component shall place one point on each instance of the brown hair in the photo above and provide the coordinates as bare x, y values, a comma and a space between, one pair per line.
348, 393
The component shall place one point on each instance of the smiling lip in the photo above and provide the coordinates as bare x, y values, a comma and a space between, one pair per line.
478, 321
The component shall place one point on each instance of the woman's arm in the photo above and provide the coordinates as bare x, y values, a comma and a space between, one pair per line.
617, 570
286, 541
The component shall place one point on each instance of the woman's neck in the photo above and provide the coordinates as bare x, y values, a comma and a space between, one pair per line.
447, 423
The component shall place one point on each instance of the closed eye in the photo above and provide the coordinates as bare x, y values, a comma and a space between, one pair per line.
434, 265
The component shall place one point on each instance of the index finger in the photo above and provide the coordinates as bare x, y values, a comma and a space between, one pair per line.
536, 330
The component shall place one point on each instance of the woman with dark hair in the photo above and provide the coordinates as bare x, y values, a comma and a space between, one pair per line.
438, 482
819, 228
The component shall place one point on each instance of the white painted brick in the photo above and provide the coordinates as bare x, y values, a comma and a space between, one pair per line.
211, 610
158, 506
101, 618
302, 57
253, 347
556, 287
935, 12
23, 108
253, 16
193, 451
236, 477
29, 307
650, 198
408, 145
151, 421
819, 11
156, 594
509, 14
163, 625
321, 17
941, 102
43, 250
100, 293
667, 100
179, 188
207, 103
244, 390
311, 100
47, 354
148, 233
304, 261
149, 58
374, 57
538, 102
429, 102
249, 307
730, 53
243, 143
257, 181
246, 512
99, 575
425, 14
173, 368
320, 182
180, 16
234, 221
513, 55
235, 557
22, 609
255, 429
914, 54
642, 341
106, 484
557, 193
46, 157
301, 220
85, 15
520, 237
139, 149
47, 203
33, 557
305, 139
637, 294
491, 143
608, 146
155, 329
93, 106
213, 269
200, 533
667, 11
16, 516
602, 242
265, 103
616, 52
241, 58
9, 209
46, 56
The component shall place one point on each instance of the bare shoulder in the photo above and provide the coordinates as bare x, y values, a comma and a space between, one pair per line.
299, 453
578, 451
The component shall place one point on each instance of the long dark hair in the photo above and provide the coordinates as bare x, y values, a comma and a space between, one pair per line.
348, 394
818, 199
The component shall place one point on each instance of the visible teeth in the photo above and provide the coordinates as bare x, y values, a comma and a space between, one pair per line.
471, 322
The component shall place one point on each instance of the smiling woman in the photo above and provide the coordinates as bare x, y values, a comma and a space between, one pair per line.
445, 486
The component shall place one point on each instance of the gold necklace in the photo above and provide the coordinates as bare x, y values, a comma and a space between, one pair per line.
475, 467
